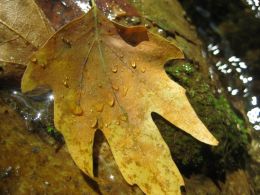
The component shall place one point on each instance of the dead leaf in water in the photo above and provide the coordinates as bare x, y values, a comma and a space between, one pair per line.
23, 28
166, 14
109, 77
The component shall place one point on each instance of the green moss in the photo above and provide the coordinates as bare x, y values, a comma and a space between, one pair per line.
182, 71
217, 114
186, 151
50, 129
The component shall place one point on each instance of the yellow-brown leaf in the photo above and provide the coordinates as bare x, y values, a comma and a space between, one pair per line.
109, 77
23, 28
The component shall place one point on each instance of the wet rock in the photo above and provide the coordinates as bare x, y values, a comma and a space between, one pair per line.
25, 172
11, 73
235, 183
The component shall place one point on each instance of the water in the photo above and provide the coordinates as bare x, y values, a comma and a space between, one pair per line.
236, 72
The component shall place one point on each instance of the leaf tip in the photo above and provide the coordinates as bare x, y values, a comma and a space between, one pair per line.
212, 141
27, 85
215, 142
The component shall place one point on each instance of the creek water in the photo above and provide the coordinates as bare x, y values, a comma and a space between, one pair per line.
230, 31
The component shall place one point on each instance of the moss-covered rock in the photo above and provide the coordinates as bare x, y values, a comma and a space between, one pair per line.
217, 114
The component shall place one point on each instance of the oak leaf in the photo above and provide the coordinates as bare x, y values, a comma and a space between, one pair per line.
110, 77
23, 28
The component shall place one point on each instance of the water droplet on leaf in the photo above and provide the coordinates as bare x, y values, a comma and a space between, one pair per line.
134, 20
95, 123
161, 32
66, 41
133, 65
147, 25
77, 110
115, 87
65, 83
114, 69
111, 101
34, 60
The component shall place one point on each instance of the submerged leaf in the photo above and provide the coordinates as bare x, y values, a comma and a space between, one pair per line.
23, 28
166, 14
109, 77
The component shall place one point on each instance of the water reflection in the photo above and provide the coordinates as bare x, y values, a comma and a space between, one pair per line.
38, 116
254, 4
112, 177
234, 65
51, 97
254, 101
36, 109
84, 5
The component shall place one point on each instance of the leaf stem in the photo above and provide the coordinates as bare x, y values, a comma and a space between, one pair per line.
93, 3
